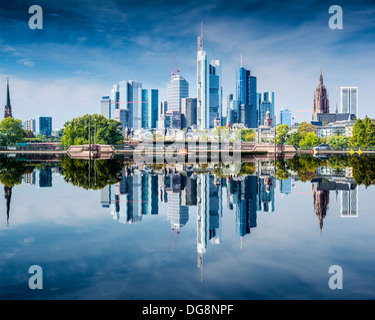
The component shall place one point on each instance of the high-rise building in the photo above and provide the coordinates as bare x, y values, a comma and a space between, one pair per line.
130, 99
286, 117
108, 107
321, 101
178, 88
349, 100
266, 102
122, 115
349, 203
44, 178
246, 94
150, 102
44, 126
188, 112
8, 107
163, 106
209, 90
30, 124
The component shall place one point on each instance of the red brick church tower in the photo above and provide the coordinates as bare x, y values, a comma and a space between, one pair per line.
321, 101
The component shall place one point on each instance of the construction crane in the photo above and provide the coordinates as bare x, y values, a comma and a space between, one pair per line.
170, 62
177, 70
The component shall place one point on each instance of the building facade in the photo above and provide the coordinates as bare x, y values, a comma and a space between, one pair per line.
178, 88
286, 117
188, 112
44, 126
349, 100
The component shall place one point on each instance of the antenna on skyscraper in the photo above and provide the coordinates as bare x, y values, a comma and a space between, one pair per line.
170, 62
202, 34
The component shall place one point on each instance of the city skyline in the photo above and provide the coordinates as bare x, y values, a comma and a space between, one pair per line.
43, 72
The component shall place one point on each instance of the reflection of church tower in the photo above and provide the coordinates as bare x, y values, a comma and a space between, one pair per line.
321, 203
8, 197
8, 108
321, 102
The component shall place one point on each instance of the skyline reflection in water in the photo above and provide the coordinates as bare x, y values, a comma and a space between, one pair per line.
188, 213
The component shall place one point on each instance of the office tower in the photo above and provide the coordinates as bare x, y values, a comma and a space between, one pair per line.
115, 96
8, 107
172, 120
150, 102
107, 196
188, 112
189, 192
215, 92
349, 100
30, 124
130, 99
286, 117
44, 126
246, 95
108, 108
209, 90
149, 190
178, 88
321, 101
163, 105
123, 116
266, 102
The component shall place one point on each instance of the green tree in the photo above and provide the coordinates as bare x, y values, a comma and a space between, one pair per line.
310, 139
248, 135
306, 127
108, 131
370, 135
29, 134
338, 142
294, 139
359, 133
12, 131
282, 133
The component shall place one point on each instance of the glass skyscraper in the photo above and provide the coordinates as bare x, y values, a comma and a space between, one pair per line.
108, 108
266, 103
130, 99
150, 103
286, 117
349, 100
44, 126
209, 90
246, 95
178, 88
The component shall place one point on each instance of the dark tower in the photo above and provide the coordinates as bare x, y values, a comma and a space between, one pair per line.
8, 108
321, 102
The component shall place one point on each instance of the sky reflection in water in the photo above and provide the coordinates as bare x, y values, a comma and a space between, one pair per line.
186, 235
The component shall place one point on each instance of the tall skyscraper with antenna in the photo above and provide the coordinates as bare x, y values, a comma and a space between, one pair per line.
8, 107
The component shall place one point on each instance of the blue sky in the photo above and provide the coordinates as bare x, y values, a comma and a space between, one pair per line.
87, 46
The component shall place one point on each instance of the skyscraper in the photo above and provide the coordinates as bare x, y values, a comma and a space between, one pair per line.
8, 107
30, 124
349, 100
286, 117
44, 126
188, 112
209, 90
130, 98
321, 101
108, 108
150, 102
178, 88
266, 103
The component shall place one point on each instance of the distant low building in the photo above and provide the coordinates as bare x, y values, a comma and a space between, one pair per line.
343, 128
335, 117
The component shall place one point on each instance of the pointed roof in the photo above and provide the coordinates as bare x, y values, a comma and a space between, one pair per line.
321, 76
8, 94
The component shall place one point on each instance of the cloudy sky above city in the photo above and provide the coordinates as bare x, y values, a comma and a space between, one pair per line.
85, 47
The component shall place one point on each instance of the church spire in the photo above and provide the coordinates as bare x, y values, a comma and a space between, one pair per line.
8, 108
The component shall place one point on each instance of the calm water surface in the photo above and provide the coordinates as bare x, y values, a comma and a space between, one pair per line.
111, 231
